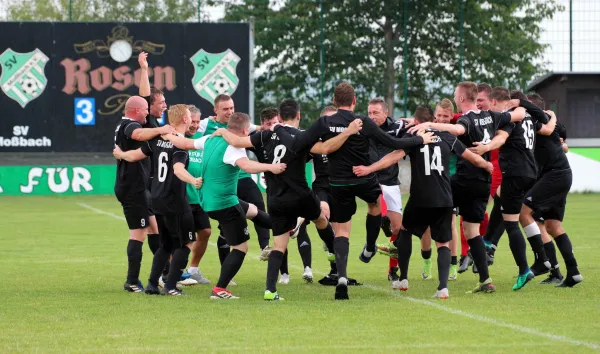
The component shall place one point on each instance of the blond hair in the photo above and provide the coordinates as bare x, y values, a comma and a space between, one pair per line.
446, 104
176, 113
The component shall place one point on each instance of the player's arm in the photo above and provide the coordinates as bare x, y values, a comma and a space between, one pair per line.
234, 140
145, 134
129, 156
336, 142
179, 159
184, 143
548, 128
371, 130
459, 149
454, 129
495, 143
144, 78
387, 161
304, 139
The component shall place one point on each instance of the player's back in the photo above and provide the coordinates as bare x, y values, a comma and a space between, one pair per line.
168, 191
131, 177
430, 178
516, 155
291, 184
548, 152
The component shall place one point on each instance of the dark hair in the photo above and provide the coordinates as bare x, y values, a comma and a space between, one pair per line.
268, 113
288, 109
537, 100
518, 94
483, 87
424, 114
500, 93
153, 93
343, 95
379, 101
239, 121
469, 89
221, 98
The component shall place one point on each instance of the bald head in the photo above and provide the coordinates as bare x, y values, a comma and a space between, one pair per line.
136, 108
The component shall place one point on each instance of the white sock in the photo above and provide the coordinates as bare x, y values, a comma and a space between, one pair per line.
367, 253
193, 270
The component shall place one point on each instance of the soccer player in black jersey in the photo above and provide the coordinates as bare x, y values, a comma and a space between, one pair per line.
548, 198
289, 196
345, 186
169, 198
471, 185
430, 203
519, 172
131, 181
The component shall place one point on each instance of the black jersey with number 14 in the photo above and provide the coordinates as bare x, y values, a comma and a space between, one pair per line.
429, 171
168, 191
277, 148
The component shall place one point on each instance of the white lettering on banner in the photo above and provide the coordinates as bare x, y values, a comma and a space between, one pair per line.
18, 140
80, 181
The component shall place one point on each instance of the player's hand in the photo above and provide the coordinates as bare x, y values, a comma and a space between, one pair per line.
479, 148
550, 113
166, 129
418, 127
562, 141
219, 132
273, 126
489, 168
117, 152
142, 59
514, 103
278, 168
427, 136
408, 121
197, 182
361, 171
354, 127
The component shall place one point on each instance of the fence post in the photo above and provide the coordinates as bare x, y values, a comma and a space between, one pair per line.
198, 11
405, 58
570, 35
70, 10
460, 43
322, 53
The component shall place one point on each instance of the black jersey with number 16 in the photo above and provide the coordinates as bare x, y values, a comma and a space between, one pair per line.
168, 191
277, 148
516, 155
429, 170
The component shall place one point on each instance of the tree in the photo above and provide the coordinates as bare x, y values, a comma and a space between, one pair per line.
365, 43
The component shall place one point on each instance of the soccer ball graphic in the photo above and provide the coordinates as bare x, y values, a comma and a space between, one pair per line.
29, 86
222, 86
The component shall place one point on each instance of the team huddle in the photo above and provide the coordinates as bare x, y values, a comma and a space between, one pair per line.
172, 179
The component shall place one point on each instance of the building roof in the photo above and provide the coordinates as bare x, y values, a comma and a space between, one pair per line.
540, 80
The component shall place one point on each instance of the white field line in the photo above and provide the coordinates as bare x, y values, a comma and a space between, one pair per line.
434, 304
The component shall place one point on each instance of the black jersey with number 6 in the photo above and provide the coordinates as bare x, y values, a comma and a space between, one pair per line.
429, 170
516, 155
273, 148
479, 127
168, 192
132, 177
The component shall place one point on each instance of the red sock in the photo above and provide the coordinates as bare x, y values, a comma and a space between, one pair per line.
484, 224
464, 245
383, 207
393, 262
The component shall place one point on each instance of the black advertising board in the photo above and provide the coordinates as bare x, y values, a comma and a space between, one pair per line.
64, 85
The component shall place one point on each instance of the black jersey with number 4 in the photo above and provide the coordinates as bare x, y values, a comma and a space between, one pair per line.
429, 171
516, 155
132, 177
479, 127
168, 192
277, 148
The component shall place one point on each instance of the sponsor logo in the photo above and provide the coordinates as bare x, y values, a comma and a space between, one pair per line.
23, 77
20, 139
215, 74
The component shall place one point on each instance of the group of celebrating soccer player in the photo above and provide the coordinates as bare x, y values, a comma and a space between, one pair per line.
172, 179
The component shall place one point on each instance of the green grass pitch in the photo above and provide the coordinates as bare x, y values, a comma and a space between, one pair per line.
63, 263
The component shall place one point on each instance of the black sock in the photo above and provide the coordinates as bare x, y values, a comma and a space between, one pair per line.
134, 261
404, 245
262, 219
566, 250
517, 245
284, 264
154, 242
161, 257
373, 228
443, 261
178, 263
426, 254
454, 260
275, 261
537, 246
496, 225
167, 268
222, 248
342, 247
479, 257
327, 236
333, 267
551, 253
230, 267
304, 247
